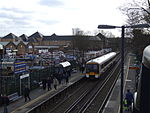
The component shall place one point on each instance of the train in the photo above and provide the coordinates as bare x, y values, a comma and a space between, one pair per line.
96, 67
141, 102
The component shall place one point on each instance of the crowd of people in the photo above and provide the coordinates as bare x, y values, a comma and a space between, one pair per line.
56, 79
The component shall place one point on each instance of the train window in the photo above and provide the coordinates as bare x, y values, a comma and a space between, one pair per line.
92, 68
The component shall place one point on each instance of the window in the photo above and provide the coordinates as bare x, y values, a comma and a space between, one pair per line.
92, 68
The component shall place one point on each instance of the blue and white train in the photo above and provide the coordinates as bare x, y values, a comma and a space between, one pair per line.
96, 67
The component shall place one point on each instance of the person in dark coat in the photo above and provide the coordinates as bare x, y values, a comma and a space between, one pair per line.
49, 82
44, 83
66, 74
55, 82
5, 100
82, 68
130, 98
1, 100
26, 93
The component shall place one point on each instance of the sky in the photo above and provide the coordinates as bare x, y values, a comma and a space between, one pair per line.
58, 16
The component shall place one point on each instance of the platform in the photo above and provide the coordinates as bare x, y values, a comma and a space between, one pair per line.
113, 105
39, 94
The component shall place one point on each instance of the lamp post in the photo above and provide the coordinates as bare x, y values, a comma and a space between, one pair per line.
122, 52
1, 54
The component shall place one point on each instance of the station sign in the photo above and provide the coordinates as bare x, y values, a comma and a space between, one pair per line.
134, 68
19, 67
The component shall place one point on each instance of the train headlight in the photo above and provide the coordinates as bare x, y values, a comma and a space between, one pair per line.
87, 76
96, 76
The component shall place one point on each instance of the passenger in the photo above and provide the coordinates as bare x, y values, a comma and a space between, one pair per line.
26, 93
55, 82
49, 82
44, 83
5, 100
67, 77
1, 100
125, 107
6, 103
83, 67
69, 73
59, 78
130, 98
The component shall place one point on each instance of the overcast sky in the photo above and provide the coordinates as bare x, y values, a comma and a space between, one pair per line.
58, 16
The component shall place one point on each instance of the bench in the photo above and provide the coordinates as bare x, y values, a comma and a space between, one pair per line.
13, 97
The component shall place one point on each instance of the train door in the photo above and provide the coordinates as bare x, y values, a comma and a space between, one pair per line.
99, 70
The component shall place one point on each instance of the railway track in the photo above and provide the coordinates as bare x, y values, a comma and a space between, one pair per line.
95, 99
82, 97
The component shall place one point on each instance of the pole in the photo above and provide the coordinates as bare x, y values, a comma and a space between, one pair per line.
1, 56
122, 69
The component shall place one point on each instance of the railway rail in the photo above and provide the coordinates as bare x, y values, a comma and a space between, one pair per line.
94, 100
81, 96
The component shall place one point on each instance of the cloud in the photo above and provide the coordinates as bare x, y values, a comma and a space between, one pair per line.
51, 3
49, 22
15, 10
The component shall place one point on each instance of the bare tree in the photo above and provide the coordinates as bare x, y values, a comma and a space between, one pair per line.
137, 12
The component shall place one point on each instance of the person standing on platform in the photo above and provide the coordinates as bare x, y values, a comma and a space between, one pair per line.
130, 98
66, 74
125, 105
49, 82
83, 67
1, 100
6, 103
55, 82
44, 83
26, 93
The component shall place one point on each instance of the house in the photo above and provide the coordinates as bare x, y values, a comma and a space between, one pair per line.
39, 41
10, 37
20, 47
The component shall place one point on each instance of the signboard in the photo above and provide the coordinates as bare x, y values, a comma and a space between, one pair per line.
134, 68
19, 67
24, 76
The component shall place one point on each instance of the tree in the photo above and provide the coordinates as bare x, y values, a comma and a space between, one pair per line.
137, 12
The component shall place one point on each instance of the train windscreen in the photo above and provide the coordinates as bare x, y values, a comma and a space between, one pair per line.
92, 68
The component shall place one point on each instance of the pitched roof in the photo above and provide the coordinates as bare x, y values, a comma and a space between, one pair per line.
96, 38
36, 35
24, 37
100, 36
10, 36
4, 43
54, 37
33, 37
16, 43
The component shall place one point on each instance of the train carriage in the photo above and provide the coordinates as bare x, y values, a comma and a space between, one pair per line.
95, 67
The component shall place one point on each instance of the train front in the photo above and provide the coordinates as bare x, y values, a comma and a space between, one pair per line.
92, 70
